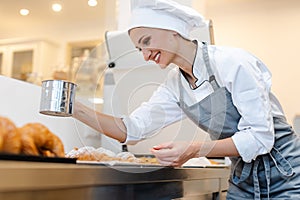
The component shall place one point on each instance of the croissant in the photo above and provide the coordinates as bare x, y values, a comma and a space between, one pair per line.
37, 139
10, 138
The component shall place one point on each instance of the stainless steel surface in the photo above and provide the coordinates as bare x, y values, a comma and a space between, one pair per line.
57, 98
25, 180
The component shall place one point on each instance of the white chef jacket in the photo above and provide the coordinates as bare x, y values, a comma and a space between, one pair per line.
245, 77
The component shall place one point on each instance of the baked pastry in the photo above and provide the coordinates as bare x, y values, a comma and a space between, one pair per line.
1, 139
148, 160
89, 153
101, 154
37, 140
10, 139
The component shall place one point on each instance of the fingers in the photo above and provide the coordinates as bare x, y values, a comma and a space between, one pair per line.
167, 145
169, 163
166, 155
163, 153
174, 153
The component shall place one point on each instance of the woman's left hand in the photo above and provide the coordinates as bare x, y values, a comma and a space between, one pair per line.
176, 153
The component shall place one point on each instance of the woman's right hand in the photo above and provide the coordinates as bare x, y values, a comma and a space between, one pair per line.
176, 153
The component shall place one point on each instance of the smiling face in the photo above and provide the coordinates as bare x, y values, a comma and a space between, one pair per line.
158, 45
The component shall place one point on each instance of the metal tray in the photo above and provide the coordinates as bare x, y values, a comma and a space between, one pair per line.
21, 157
117, 163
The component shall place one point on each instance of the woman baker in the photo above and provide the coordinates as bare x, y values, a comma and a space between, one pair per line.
225, 91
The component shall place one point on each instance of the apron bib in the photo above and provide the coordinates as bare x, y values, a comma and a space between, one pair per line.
217, 115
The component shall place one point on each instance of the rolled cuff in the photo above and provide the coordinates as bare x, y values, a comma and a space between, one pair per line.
131, 137
248, 146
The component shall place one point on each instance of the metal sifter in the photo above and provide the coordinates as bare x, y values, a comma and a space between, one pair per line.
57, 98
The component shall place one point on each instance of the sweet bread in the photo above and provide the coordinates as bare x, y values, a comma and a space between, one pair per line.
37, 139
31, 139
89, 153
10, 139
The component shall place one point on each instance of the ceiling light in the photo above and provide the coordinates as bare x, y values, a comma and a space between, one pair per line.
92, 3
24, 12
56, 7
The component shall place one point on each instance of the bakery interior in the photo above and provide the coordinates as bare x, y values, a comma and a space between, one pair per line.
77, 44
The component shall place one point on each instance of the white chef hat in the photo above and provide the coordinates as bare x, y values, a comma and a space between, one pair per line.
165, 14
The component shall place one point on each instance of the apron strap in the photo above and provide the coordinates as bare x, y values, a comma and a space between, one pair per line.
246, 171
256, 181
283, 166
212, 78
253, 167
266, 162
180, 88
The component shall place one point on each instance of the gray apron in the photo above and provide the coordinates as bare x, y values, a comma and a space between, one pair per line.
271, 175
